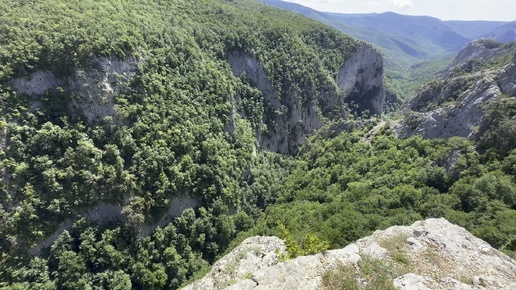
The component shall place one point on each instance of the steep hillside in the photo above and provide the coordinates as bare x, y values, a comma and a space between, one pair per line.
430, 254
474, 98
134, 136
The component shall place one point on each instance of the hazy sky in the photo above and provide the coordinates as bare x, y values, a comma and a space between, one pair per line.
503, 10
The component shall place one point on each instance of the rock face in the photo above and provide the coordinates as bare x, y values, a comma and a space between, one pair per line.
96, 87
360, 80
507, 80
460, 117
430, 254
455, 104
37, 83
251, 255
103, 213
290, 128
473, 51
92, 88
3, 134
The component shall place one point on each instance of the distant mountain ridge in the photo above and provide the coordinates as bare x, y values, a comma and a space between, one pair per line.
504, 33
415, 48
420, 28
416, 36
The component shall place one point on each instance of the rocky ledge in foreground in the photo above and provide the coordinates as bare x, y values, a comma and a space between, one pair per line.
430, 254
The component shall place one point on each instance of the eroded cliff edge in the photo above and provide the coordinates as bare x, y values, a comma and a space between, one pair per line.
361, 80
359, 86
429, 254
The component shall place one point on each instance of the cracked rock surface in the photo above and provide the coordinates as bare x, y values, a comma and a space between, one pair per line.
439, 255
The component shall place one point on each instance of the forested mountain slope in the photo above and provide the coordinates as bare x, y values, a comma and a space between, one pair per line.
140, 140
117, 116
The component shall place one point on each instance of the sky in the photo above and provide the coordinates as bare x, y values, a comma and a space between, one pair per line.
498, 10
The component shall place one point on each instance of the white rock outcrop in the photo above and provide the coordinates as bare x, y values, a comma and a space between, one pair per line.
251, 255
436, 255
92, 88
473, 51
361, 80
457, 118
507, 80
455, 104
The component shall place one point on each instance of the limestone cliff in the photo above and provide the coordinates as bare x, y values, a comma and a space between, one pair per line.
455, 104
361, 80
473, 53
359, 85
104, 213
251, 255
290, 128
92, 88
430, 254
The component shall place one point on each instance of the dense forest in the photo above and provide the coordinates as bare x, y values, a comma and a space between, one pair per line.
185, 127
347, 186
168, 138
